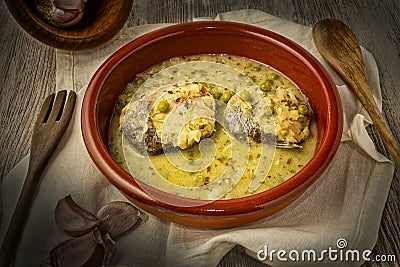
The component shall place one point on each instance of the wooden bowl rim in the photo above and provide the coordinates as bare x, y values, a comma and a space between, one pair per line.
74, 38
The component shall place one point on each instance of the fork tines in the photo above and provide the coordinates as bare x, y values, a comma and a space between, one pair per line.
56, 105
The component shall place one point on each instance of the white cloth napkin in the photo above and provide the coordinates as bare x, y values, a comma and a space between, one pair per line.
345, 202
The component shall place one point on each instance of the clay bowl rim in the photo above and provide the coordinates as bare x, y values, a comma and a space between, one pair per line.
82, 36
124, 182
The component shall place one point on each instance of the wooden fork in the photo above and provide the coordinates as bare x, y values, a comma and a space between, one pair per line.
50, 126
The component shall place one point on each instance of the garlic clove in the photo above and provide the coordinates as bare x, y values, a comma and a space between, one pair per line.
109, 246
117, 218
87, 250
61, 13
73, 219
69, 4
66, 17
143, 216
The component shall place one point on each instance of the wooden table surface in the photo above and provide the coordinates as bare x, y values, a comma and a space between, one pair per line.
27, 76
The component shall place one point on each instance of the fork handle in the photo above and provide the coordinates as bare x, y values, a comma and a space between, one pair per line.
22, 210
47, 133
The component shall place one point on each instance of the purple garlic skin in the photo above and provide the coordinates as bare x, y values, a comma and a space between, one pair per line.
117, 218
89, 250
94, 244
61, 13
73, 219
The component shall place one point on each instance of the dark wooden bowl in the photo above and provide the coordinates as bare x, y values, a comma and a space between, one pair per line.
101, 21
217, 38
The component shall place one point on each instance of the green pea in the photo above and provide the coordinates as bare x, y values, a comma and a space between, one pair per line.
273, 76
130, 94
257, 68
266, 86
216, 94
248, 65
303, 109
268, 111
139, 81
163, 106
244, 95
225, 97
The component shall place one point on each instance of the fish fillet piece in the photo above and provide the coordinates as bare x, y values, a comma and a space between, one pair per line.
287, 121
190, 117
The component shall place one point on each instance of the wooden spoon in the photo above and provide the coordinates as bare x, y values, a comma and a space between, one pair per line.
339, 47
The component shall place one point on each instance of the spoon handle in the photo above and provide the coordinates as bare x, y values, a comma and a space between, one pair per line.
339, 47
367, 100
354, 76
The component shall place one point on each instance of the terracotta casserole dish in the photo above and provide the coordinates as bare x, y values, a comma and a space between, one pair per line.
211, 38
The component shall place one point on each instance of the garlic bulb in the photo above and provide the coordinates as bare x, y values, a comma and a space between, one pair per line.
61, 13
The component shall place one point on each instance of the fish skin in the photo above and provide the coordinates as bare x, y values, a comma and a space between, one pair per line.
241, 124
139, 130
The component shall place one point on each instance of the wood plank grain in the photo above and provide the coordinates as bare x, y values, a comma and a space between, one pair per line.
24, 85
